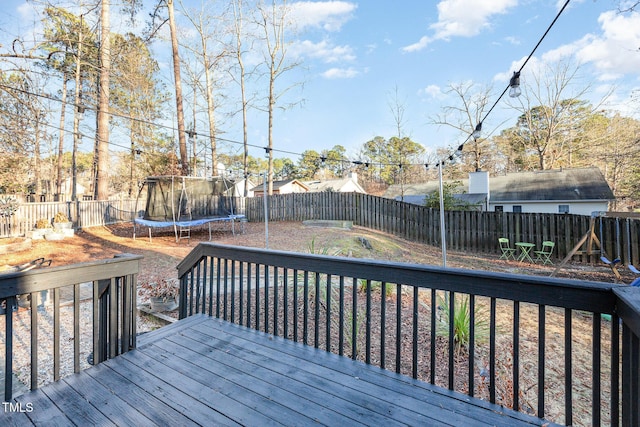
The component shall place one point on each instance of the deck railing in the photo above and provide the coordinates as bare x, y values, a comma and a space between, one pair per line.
86, 310
564, 350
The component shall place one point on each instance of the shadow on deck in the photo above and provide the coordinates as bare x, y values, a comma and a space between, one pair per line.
205, 371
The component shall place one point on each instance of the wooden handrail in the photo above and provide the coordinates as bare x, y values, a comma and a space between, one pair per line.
113, 305
18, 283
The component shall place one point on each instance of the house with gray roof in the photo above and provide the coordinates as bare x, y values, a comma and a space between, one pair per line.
578, 191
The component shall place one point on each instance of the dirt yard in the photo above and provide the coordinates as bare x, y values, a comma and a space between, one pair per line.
163, 253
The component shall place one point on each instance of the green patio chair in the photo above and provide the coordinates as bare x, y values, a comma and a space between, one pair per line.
507, 251
544, 254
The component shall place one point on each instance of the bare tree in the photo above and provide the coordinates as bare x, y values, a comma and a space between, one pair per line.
101, 190
464, 116
550, 113
273, 21
397, 108
182, 142
240, 78
208, 28
615, 147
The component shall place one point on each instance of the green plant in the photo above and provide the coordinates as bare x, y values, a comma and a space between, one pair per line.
60, 217
449, 200
462, 320
348, 328
43, 223
376, 286
8, 206
324, 250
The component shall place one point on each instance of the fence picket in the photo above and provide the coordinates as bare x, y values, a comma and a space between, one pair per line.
468, 231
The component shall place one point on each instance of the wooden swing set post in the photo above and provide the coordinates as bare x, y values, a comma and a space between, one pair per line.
590, 238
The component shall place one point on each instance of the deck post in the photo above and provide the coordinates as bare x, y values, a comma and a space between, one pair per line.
8, 361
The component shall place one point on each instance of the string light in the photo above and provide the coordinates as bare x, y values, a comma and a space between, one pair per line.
514, 85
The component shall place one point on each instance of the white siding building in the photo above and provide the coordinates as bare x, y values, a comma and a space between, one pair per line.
576, 191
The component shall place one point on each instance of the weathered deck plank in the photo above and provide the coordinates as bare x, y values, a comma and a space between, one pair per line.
203, 371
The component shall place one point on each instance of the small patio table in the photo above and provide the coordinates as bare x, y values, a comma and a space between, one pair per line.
525, 249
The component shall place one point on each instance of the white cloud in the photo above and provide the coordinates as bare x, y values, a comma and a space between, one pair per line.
433, 91
421, 44
323, 51
562, 52
371, 48
462, 18
513, 40
340, 73
613, 53
617, 49
328, 15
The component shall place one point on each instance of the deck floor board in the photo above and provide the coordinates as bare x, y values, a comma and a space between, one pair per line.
348, 394
296, 395
204, 371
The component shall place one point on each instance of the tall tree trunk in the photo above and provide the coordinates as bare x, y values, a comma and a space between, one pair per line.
132, 157
182, 142
36, 156
272, 102
61, 139
102, 143
212, 120
76, 121
238, 5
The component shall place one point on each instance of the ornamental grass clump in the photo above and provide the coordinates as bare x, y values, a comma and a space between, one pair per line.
462, 320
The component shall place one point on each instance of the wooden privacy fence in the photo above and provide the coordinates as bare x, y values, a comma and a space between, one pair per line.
83, 214
468, 231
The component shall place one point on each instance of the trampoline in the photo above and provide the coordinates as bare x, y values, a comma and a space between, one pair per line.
182, 202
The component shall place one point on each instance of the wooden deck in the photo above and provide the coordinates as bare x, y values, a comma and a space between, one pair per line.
204, 371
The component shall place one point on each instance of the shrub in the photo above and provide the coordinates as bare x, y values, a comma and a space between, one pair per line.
43, 223
8, 206
60, 217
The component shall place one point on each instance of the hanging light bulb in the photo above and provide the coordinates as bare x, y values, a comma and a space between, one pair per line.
478, 132
514, 85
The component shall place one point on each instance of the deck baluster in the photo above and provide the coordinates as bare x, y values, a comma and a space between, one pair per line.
596, 369
383, 321
328, 314
398, 327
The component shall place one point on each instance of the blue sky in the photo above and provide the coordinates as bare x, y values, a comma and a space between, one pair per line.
357, 54
424, 47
